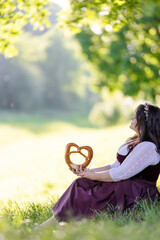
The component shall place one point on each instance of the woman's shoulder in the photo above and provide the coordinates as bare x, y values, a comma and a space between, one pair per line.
123, 149
146, 144
146, 147
147, 151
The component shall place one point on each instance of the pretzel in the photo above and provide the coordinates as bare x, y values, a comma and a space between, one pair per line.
68, 153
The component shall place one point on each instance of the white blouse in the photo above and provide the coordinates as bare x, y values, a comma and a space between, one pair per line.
142, 156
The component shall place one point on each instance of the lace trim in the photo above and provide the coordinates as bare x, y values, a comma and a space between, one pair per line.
142, 156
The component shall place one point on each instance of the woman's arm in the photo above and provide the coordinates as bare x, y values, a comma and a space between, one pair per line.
105, 168
142, 156
99, 176
100, 169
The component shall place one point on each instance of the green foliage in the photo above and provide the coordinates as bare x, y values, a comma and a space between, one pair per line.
115, 109
14, 15
29, 214
17, 219
16, 87
49, 71
45, 74
142, 222
121, 39
44, 121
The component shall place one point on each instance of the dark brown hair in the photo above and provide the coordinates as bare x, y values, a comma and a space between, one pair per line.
148, 126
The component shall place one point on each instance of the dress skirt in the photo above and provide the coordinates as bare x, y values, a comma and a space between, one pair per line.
85, 197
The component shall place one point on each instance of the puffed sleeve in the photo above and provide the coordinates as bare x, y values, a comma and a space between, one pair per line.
115, 164
142, 156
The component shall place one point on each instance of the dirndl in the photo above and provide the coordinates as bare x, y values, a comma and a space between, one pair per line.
85, 197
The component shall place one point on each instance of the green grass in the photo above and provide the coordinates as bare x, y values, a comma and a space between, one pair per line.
141, 223
32, 165
40, 122
31, 178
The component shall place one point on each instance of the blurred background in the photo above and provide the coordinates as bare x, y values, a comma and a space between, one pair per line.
76, 78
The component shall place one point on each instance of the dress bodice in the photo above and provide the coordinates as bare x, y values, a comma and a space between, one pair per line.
151, 173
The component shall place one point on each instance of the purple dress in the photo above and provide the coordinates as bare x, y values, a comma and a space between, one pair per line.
85, 197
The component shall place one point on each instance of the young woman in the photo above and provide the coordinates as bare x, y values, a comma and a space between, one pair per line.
133, 175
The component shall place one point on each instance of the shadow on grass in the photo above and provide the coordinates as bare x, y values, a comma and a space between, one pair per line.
44, 121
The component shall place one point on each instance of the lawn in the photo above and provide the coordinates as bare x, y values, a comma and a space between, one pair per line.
32, 152
34, 174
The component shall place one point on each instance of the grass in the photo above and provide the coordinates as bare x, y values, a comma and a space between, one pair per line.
141, 223
40, 122
32, 178
32, 164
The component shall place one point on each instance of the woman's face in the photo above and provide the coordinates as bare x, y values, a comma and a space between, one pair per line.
133, 124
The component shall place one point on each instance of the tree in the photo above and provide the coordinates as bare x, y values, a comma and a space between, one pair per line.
48, 73
121, 39
14, 15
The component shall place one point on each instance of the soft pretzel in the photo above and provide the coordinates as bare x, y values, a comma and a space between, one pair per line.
68, 153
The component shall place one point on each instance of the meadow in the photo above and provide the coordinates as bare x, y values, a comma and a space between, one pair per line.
34, 174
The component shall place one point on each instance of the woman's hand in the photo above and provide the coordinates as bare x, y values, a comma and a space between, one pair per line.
78, 170
92, 175
87, 174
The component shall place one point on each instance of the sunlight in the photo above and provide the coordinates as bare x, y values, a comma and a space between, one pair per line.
34, 164
108, 28
64, 4
96, 29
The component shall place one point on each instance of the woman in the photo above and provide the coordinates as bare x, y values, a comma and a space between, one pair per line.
133, 175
